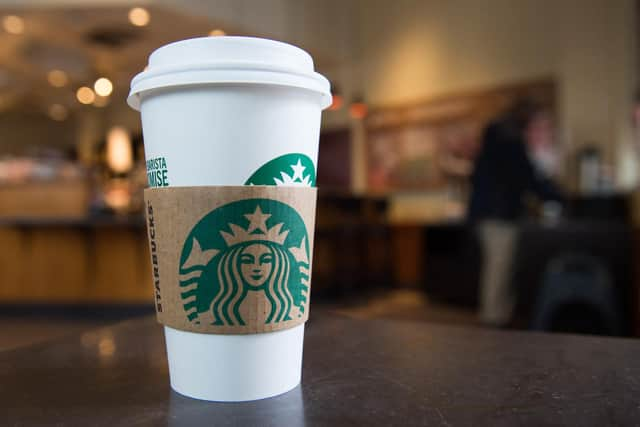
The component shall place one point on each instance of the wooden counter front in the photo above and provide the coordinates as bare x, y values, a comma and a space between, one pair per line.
74, 262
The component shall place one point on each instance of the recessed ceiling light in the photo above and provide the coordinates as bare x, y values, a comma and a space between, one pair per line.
217, 33
13, 24
57, 78
85, 95
139, 16
103, 86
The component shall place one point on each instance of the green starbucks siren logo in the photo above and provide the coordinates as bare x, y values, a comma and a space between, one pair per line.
291, 170
248, 248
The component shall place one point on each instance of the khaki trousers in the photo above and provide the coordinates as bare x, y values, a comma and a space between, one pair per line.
497, 299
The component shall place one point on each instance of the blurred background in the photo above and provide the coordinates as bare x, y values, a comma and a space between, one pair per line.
478, 166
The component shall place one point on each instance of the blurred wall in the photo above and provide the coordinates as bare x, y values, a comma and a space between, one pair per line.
416, 49
328, 29
324, 27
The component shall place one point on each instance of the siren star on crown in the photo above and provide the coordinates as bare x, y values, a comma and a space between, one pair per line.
257, 221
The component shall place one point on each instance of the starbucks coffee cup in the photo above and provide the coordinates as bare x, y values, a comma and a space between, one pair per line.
231, 111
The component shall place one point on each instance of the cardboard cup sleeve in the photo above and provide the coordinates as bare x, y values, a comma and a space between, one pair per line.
231, 259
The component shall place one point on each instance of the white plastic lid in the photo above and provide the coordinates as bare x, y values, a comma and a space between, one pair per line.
229, 60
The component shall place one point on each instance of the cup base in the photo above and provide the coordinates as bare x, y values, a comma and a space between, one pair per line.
234, 368
185, 394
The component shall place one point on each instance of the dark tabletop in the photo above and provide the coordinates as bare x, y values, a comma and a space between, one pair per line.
356, 373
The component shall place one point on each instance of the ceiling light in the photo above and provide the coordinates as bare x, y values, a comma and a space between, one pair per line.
58, 112
217, 33
85, 95
139, 16
57, 78
358, 108
103, 86
13, 24
106, 347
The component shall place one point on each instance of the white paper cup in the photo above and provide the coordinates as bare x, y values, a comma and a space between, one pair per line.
214, 111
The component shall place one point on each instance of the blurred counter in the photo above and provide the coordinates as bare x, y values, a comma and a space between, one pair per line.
71, 260
106, 220
45, 199
424, 208
51, 258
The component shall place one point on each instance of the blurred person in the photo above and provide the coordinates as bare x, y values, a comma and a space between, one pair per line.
633, 162
516, 163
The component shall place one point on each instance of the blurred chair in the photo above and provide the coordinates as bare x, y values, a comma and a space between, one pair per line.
609, 242
611, 207
577, 296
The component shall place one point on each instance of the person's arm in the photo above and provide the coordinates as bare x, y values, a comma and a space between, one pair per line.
541, 187
546, 189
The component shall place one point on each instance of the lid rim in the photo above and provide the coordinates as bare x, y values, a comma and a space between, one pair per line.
133, 99
245, 65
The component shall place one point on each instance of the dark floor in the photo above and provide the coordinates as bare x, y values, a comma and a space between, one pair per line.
21, 327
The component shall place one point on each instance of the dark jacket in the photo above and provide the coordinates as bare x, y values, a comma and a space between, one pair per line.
503, 175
